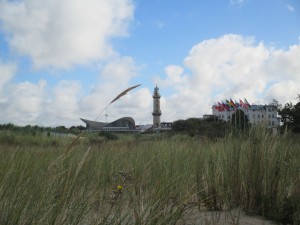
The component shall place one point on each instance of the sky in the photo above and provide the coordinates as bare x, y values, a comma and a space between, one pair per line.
65, 60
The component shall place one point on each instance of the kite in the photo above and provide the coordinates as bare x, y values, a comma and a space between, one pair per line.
124, 93
119, 96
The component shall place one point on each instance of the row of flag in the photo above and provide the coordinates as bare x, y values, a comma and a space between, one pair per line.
229, 104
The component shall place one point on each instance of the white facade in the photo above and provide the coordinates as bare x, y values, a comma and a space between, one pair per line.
256, 114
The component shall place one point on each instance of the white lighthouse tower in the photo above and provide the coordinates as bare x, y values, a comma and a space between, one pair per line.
156, 108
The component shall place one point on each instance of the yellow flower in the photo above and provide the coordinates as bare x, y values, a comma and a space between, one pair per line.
119, 187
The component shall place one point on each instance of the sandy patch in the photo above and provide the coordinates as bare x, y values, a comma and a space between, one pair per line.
232, 217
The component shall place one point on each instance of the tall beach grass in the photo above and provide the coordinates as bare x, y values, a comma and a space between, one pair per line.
147, 179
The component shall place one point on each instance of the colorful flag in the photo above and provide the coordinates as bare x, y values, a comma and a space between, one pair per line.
216, 107
236, 103
242, 104
221, 108
228, 103
225, 106
247, 103
232, 103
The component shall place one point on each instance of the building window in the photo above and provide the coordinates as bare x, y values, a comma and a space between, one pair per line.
262, 116
269, 116
273, 116
272, 122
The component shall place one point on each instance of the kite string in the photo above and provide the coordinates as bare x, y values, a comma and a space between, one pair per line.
102, 112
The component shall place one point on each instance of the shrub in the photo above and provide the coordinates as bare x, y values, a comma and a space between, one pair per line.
109, 135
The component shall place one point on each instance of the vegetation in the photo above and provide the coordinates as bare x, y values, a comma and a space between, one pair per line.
195, 126
37, 129
239, 120
146, 179
290, 116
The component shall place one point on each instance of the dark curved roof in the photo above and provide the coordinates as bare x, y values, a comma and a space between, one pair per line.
124, 122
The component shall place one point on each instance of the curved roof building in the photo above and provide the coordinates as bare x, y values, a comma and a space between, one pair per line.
122, 124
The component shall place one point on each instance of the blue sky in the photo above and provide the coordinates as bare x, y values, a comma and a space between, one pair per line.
61, 61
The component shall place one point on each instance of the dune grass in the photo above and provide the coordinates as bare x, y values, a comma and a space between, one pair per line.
147, 179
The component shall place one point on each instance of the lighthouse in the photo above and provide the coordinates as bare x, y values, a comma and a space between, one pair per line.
156, 108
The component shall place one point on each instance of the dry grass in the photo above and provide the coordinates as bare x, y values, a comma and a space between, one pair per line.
163, 179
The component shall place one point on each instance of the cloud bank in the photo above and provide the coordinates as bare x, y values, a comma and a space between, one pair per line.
60, 34
231, 66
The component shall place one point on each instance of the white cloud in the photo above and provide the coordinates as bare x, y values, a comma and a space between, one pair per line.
174, 77
136, 103
63, 103
285, 90
290, 7
285, 64
231, 66
227, 66
120, 69
30, 103
7, 71
23, 102
237, 2
63, 33
116, 76
160, 24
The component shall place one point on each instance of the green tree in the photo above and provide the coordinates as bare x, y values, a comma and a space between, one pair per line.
239, 120
290, 116
286, 114
190, 126
196, 126
296, 114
